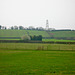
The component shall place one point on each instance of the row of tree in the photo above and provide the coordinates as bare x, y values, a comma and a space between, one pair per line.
32, 28
25, 28
3, 27
35, 38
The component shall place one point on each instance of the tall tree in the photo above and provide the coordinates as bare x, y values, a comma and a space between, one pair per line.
12, 28
0, 26
16, 27
21, 27
5, 28
31, 28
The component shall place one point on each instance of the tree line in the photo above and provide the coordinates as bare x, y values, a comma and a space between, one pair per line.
25, 28
22, 28
36, 37
32, 28
33, 38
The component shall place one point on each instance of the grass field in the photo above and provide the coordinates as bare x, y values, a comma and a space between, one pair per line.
20, 62
28, 59
36, 46
10, 39
20, 33
55, 40
63, 33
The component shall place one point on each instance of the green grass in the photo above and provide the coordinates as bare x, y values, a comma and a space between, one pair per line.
35, 32
12, 33
20, 62
10, 39
36, 46
63, 33
55, 40
37, 59
20, 33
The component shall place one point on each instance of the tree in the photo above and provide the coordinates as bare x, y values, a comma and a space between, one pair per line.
40, 28
37, 28
26, 37
36, 37
12, 28
16, 27
0, 26
31, 28
21, 27
5, 28
40, 37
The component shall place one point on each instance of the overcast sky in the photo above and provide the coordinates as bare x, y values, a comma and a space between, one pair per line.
60, 13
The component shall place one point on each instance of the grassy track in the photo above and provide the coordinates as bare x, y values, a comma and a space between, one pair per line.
14, 62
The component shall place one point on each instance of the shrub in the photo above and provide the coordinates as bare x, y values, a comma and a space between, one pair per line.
36, 37
26, 37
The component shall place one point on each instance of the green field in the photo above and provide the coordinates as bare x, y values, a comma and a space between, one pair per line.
37, 58
36, 46
28, 59
63, 33
56, 40
20, 62
20, 33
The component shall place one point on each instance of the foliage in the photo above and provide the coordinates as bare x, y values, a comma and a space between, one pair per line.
36, 37
0, 26
12, 28
26, 37
21, 27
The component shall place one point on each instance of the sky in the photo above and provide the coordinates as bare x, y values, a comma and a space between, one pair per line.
60, 13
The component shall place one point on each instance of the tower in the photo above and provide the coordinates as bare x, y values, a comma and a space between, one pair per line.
47, 25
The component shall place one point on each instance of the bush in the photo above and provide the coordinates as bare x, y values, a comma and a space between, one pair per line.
36, 37
26, 37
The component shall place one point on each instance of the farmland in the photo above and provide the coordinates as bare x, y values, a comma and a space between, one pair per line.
35, 62
37, 58
20, 33
63, 33
56, 40
36, 46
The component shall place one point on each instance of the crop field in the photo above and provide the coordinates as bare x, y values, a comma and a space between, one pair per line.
56, 40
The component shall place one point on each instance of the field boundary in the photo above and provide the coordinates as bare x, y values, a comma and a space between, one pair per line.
64, 38
22, 41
